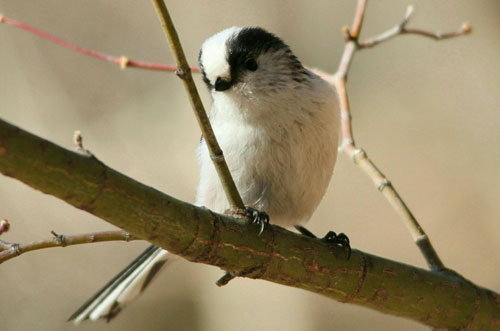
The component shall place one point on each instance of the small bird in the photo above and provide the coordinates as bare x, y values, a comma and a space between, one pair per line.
278, 126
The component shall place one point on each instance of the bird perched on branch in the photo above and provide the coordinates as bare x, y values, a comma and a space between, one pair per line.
278, 126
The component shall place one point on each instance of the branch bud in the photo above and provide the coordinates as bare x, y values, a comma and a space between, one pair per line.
4, 226
466, 27
123, 62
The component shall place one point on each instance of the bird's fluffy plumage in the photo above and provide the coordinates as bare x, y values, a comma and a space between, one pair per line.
277, 124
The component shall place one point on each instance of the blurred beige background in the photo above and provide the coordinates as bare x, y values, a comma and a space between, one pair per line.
427, 113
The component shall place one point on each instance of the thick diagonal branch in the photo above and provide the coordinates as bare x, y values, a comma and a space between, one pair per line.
199, 235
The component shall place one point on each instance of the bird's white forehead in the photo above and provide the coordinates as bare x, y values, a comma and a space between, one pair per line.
214, 54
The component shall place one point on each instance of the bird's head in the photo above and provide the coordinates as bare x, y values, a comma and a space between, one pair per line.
248, 60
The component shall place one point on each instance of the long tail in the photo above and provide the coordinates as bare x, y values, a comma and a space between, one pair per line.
125, 286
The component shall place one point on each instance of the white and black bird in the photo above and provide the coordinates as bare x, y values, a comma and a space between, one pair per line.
278, 126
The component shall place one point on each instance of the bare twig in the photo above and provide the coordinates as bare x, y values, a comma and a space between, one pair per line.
11, 250
357, 154
358, 20
401, 28
215, 151
464, 29
122, 61
184, 73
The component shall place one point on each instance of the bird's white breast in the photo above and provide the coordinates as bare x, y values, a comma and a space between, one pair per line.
280, 147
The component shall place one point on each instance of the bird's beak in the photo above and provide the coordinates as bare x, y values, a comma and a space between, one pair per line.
222, 84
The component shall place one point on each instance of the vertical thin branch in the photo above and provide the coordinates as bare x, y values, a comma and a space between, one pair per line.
358, 19
184, 72
360, 157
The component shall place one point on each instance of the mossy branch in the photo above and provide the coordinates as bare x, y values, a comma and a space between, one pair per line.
441, 300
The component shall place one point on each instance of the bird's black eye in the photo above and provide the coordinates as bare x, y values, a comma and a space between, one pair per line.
251, 64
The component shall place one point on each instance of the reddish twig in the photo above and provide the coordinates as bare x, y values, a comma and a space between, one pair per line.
122, 61
358, 19
11, 250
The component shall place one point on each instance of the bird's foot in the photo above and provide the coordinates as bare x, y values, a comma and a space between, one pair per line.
330, 238
258, 217
338, 239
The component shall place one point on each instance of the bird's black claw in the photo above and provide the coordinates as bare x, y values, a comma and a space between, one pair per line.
258, 217
338, 239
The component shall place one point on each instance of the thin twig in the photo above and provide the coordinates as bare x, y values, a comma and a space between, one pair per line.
122, 61
357, 154
184, 73
11, 250
232, 194
401, 28
464, 29
358, 19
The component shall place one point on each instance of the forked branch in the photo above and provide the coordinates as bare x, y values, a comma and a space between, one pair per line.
401, 28
358, 155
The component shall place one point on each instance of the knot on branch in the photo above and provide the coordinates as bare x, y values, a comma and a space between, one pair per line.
61, 239
346, 142
217, 157
183, 72
128, 237
358, 154
15, 248
124, 61
421, 239
383, 184
347, 34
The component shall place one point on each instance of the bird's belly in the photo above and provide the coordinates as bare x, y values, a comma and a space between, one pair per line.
282, 176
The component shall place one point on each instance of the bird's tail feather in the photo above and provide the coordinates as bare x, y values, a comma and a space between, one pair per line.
125, 286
